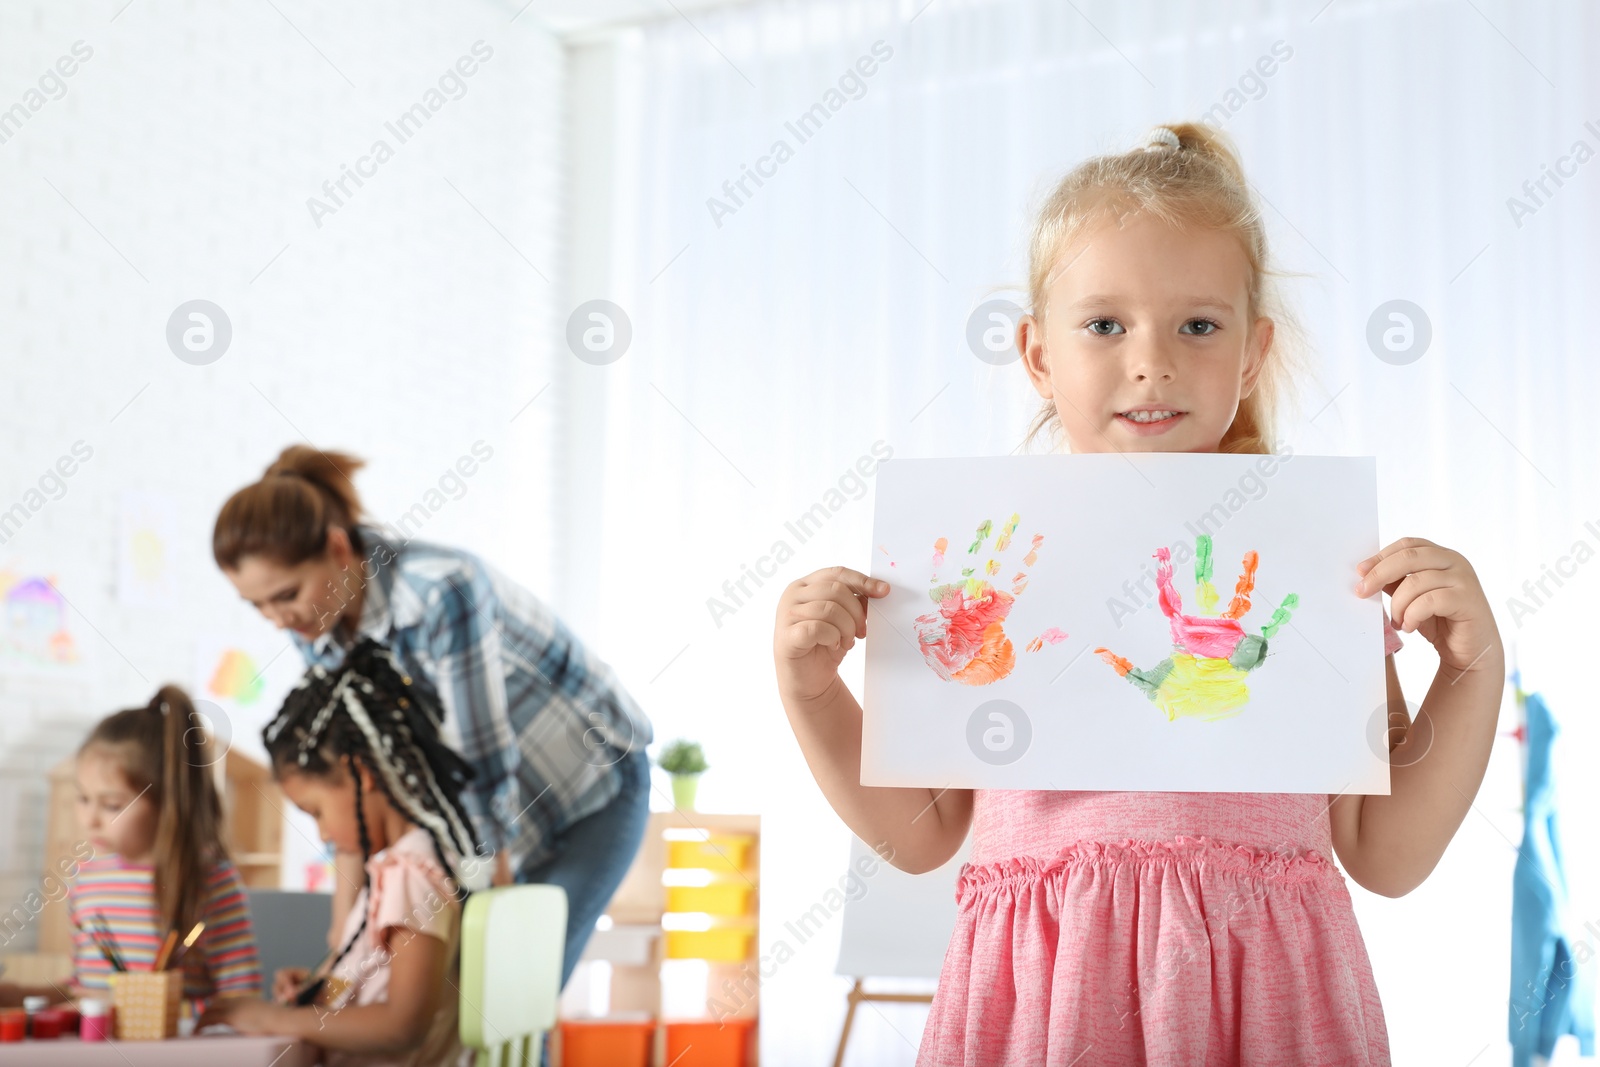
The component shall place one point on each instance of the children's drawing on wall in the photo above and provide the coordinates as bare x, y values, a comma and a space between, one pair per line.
234, 688
964, 640
36, 626
146, 524
1204, 677
235, 677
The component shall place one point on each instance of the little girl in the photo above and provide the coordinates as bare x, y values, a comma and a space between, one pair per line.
149, 809
358, 749
1162, 928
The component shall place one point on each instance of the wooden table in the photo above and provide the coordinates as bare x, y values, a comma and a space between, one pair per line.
207, 1051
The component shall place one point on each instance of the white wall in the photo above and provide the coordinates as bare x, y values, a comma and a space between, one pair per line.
410, 324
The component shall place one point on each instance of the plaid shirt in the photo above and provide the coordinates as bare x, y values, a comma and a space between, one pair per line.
541, 721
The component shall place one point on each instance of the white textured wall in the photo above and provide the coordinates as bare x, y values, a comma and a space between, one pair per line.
414, 321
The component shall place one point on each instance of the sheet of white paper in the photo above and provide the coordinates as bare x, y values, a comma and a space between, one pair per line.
1310, 718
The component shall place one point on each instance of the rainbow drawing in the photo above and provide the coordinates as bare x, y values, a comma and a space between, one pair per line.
236, 678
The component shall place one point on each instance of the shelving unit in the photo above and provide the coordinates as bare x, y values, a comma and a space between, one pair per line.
693, 893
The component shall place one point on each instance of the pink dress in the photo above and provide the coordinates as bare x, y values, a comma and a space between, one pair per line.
1172, 928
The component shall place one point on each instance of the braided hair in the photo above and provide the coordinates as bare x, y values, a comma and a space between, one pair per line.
371, 712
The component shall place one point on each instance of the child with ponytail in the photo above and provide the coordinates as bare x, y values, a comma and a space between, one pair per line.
358, 749
1119, 928
148, 806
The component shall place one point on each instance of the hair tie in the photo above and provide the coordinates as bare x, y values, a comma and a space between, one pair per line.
1162, 137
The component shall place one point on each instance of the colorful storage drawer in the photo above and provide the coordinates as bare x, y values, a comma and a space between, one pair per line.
606, 1042
708, 1044
720, 945
718, 898
719, 852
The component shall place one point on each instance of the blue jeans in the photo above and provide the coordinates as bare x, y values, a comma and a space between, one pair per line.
593, 855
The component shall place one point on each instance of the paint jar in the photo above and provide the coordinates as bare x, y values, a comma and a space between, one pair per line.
47, 1025
95, 1024
13, 1024
33, 1006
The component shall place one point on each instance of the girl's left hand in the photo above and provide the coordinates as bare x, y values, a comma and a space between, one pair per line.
247, 1015
1435, 592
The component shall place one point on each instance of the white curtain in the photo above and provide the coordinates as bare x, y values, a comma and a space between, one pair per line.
776, 342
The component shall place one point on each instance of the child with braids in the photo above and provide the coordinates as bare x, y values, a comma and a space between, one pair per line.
358, 749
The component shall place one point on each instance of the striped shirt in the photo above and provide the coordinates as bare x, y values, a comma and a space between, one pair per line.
542, 722
223, 962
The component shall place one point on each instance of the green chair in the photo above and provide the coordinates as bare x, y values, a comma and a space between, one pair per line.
512, 942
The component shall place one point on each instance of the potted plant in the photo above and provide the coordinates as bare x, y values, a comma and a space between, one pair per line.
685, 762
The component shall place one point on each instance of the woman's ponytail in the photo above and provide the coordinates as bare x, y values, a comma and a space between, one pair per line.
286, 516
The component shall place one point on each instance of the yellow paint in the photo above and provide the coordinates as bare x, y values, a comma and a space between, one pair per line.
1202, 688
1206, 594
1005, 533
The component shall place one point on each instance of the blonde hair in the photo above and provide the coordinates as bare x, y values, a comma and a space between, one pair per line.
1196, 183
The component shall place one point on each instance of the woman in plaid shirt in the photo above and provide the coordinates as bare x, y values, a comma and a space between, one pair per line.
561, 786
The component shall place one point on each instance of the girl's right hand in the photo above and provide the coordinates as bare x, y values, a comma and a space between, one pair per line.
820, 617
286, 982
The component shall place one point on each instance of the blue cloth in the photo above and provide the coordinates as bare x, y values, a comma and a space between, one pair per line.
1552, 992
543, 722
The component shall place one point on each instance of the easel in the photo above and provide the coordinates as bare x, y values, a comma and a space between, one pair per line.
857, 995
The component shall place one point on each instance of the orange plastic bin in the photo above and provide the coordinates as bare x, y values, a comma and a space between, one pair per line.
606, 1042
707, 1043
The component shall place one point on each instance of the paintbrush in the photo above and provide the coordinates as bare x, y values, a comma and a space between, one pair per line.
110, 957
107, 946
188, 942
170, 943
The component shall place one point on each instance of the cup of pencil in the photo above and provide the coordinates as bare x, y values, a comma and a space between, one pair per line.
146, 1002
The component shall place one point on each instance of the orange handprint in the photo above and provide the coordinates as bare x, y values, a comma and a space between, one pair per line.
1205, 676
965, 640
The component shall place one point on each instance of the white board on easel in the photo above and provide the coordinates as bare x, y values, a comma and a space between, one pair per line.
900, 927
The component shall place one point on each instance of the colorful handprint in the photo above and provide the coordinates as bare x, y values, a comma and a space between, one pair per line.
965, 640
1204, 678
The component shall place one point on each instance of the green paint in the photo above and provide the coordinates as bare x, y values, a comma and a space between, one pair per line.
1250, 653
1202, 559
1151, 680
968, 572
1281, 616
982, 535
